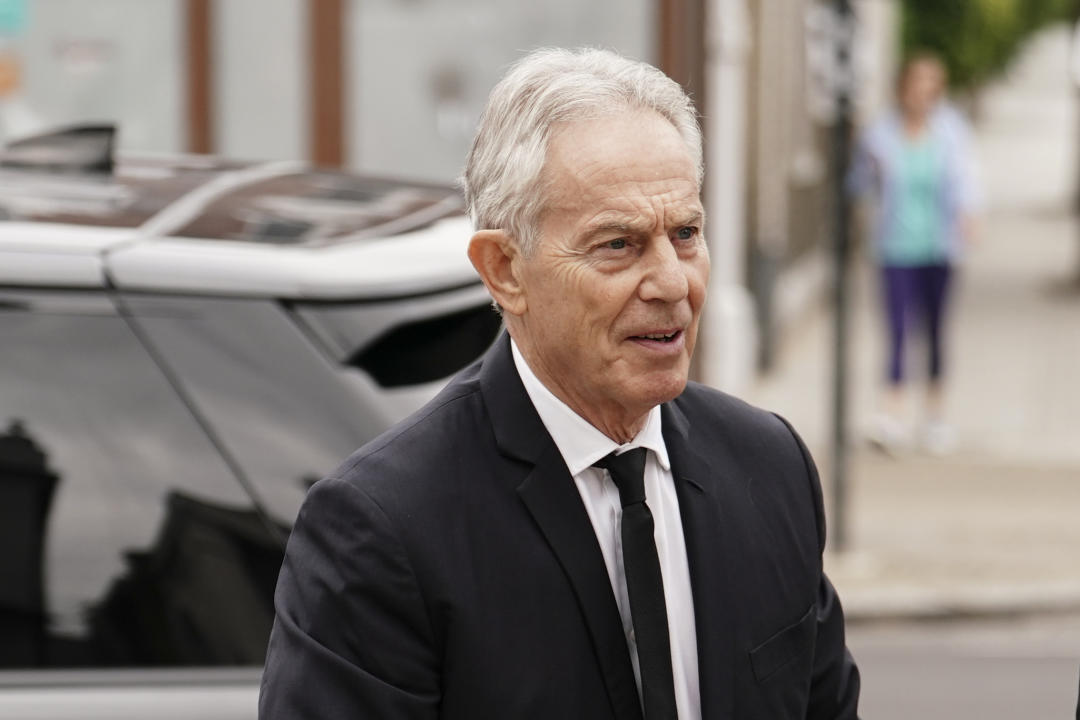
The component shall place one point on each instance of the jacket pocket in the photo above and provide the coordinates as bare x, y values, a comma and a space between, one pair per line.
784, 647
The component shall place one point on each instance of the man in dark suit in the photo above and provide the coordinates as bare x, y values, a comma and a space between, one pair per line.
570, 529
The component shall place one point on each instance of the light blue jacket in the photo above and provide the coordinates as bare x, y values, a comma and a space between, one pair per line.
876, 164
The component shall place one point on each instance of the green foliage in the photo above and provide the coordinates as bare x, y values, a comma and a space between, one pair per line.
977, 38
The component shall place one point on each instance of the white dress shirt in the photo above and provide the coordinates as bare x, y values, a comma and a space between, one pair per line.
581, 445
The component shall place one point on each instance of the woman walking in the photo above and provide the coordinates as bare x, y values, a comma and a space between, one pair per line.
916, 161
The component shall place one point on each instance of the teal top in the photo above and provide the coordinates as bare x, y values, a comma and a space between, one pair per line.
918, 237
933, 177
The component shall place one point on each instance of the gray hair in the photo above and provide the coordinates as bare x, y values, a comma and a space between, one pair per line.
503, 174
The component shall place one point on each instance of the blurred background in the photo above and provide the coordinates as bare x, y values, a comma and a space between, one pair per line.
960, 569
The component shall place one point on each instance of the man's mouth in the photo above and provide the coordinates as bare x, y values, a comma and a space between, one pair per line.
664, 337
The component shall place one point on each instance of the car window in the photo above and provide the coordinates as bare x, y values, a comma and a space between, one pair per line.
282, 407
319, 206
407, 341
133, 193
127, 541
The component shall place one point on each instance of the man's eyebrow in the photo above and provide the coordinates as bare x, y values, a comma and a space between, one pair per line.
695, 217
631, 227
616, 226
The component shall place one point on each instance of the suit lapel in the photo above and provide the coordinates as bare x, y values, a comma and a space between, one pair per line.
701, 506
554, 503
549, 493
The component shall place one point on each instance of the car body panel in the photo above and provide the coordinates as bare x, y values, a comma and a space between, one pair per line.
433, 258
211, 694
55, 254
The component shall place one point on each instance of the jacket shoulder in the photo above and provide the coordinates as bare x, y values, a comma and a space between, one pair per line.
703, 405
446, 428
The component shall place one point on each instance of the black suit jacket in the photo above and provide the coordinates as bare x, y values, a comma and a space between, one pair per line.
449, 570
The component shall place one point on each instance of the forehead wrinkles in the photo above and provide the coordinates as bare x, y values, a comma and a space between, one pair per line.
630, 170
648, 175
641, 212
571, 180
627, 200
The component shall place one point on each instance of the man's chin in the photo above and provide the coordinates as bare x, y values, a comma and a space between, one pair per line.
661, 388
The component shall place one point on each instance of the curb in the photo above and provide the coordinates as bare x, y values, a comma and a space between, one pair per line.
912, 603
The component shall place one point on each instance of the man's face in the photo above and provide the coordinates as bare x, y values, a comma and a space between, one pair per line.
615, 285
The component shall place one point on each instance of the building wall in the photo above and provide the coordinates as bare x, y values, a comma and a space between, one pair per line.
791, 178
727, 346
260, 79
877, 54
104, 61
418, 73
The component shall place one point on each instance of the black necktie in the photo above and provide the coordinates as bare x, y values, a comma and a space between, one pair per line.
644, 585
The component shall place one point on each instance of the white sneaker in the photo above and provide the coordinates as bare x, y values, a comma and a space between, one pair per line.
938, 438
887, 434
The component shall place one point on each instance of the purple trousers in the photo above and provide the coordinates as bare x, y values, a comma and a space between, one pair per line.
915, 296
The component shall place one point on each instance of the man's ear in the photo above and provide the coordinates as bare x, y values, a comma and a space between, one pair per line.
496, 256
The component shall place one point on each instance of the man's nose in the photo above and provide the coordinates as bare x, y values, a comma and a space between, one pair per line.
664, 274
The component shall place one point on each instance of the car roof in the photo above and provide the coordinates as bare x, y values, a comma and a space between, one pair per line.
205, 225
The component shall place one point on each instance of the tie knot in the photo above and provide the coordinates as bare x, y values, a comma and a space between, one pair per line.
628, 472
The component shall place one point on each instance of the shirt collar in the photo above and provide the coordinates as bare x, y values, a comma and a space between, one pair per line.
579, 443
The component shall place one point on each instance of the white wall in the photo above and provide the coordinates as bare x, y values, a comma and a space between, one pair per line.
260, 96
106, 60
419, 71
728, 344
877, 47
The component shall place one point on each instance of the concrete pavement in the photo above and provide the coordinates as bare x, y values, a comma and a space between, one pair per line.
993, 527
993, 669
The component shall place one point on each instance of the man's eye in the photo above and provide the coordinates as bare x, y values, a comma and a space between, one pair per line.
686, 233
617, 244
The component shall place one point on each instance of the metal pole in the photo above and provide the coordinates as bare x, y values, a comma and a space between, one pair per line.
842, 251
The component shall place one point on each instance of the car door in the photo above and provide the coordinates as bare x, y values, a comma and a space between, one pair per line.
136, 574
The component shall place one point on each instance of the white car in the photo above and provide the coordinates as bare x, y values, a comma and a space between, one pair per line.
185, 345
